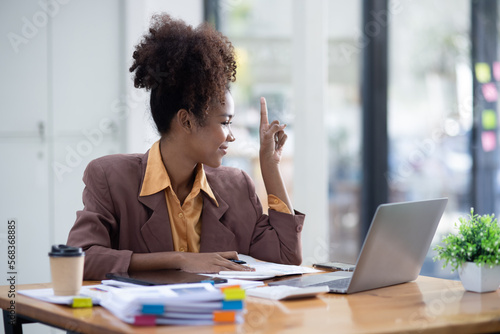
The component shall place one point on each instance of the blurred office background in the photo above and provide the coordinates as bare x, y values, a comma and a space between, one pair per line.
67, 98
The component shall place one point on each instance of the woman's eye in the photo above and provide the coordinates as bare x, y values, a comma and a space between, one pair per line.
227, 123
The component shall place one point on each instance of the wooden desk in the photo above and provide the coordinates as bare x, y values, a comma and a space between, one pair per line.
425, 305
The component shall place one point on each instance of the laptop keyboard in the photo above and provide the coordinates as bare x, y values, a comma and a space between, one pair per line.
342, 283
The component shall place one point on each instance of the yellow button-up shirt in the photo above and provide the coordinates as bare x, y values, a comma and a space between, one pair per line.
185, 219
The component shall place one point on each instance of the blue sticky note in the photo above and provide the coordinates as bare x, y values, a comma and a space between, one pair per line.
232, 305
153, 309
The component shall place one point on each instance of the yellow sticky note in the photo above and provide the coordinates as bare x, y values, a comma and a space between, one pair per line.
483, 72
489, 119
234, 294
82, 302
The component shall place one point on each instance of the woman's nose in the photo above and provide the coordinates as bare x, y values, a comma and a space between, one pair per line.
230, 136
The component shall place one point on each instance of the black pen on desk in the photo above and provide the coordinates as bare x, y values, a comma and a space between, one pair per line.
237, 261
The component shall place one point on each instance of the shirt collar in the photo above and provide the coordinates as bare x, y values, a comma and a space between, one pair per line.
156, 177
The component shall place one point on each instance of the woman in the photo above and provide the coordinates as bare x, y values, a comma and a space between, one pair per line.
175, 206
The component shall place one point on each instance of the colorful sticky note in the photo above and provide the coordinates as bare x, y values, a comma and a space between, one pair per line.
227, 287
144, 320
232, 305
82, 302
490, 92
234, 294
152, 309
488, 140
483, 74
496, 70
489, 119
224, 316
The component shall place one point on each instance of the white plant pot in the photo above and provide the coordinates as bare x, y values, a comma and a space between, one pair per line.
479, 279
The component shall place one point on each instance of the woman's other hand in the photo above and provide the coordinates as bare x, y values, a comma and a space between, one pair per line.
209, 263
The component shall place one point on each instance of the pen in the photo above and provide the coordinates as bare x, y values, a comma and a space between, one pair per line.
237, 261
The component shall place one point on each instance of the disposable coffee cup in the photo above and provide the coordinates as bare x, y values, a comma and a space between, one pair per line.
66, 268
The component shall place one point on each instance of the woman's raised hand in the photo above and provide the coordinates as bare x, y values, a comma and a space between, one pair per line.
272, 136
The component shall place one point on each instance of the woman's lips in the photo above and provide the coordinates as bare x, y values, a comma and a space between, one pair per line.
223, 149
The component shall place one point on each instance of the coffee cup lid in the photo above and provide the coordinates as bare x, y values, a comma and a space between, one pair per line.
65, 251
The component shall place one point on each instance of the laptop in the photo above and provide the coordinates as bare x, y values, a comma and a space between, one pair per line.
393, 251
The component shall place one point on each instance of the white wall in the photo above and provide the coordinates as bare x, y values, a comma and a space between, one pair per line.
310, 77
66, 98
62, 70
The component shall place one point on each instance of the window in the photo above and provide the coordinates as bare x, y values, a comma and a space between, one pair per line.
430, 109
261, 34
429, 105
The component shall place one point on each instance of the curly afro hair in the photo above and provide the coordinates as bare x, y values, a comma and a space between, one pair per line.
184, 67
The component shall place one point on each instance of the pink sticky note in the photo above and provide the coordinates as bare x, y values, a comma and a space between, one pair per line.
490, 92
496, 70
145, 320
489, 140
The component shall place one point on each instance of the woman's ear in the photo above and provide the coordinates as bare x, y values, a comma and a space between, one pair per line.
185, 120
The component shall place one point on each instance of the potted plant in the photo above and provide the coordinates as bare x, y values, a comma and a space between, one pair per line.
474, 251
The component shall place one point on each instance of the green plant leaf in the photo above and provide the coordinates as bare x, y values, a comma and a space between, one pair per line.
477, 240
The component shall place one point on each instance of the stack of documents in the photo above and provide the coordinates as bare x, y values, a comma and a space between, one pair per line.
177, 304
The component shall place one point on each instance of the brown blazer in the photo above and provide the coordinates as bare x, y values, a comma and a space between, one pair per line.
115, 222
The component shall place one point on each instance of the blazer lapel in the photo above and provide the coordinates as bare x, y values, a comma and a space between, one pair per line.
157, 229
215, 236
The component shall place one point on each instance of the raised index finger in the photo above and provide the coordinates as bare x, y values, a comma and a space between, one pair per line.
263, 112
